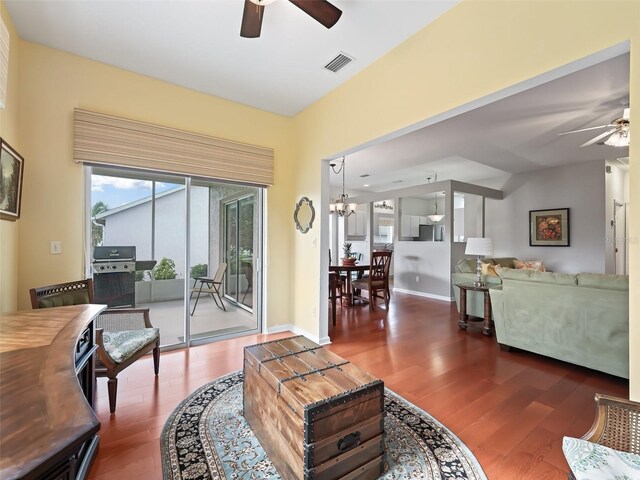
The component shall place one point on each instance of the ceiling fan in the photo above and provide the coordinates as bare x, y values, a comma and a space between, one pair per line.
320, 10
618, 132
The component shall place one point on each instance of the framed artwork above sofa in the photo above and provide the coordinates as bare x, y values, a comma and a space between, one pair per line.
549, 228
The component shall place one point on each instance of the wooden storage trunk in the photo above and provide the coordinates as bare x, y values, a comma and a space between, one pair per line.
316, 415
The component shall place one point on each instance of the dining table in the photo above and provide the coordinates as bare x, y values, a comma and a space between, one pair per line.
348, 269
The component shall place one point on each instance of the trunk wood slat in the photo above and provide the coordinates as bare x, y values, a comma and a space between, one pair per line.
316, 415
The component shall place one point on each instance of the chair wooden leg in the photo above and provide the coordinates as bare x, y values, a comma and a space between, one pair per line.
333, 308
112, 385
156, 358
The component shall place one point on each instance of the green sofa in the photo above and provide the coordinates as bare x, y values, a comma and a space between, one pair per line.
581, 319
466, 273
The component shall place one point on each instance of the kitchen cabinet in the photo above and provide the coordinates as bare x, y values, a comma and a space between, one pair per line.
356, 225
411, 225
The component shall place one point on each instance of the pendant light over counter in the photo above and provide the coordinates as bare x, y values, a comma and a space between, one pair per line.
434, 217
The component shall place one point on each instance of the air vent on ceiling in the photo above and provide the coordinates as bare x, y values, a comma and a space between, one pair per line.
365, 175
338, 63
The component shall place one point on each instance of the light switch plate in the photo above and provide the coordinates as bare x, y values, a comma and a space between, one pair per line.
56, 247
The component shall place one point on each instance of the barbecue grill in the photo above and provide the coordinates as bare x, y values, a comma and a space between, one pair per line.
114, 275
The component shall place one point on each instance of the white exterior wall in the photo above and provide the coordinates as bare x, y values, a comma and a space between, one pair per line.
132, 226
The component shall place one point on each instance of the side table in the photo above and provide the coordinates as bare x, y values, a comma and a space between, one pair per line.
464, 322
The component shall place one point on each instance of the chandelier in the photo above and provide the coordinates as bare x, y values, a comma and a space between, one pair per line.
340, 206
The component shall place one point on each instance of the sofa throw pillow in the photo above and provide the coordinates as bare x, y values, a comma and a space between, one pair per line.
490, 270
536, 265
590, 461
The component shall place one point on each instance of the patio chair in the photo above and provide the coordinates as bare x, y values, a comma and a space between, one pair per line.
213, 287
617, 425
122, 335
378, 279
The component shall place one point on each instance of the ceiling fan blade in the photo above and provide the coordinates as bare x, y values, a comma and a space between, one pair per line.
320, 10
251, 20
586, 129
599, 137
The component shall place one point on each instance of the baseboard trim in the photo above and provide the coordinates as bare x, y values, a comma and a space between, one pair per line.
423, 294
289, 327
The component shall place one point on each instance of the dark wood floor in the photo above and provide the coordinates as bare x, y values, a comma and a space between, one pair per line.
510, 409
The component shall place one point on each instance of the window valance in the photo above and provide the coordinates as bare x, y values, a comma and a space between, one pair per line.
108, 140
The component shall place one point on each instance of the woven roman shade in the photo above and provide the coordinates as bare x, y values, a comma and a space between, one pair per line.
4, 62
107, 140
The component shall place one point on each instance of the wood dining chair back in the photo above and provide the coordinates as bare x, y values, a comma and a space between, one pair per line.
122, 335
378, 279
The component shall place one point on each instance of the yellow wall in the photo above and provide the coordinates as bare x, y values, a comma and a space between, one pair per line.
52, 84
9, 231
473, 50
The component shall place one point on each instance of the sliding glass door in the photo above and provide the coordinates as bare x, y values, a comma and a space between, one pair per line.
197, 243
239, 234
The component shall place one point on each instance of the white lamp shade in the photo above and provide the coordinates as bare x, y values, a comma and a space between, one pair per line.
435, 218
479, 246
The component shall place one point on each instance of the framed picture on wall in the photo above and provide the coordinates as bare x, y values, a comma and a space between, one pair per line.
549, 228
11, 171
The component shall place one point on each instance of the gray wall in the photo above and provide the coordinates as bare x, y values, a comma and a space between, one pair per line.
580, 187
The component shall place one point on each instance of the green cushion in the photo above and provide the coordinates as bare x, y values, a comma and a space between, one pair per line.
467, 265
539, 277
557, 278
505, 262
609, 282
79, 297
122, 345
591, 461
513, 274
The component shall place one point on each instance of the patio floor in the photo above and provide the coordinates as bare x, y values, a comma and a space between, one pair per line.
207, 321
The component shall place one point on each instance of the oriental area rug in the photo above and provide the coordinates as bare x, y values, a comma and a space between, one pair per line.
206, 437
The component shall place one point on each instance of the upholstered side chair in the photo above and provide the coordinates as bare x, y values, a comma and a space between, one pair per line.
617, 425
122, 335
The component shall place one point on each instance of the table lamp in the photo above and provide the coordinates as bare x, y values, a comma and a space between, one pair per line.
479, 247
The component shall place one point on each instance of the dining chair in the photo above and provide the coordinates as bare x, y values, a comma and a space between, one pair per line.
339, 285
335, 286
122, 335
213, 287
378, 279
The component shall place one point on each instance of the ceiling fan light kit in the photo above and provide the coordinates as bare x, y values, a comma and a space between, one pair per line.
320, 10
618, 133
618, 139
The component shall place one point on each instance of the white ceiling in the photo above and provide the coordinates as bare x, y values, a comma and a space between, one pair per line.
197, 44
513, 135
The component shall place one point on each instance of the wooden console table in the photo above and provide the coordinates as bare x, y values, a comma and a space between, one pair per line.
464, 323
47, 379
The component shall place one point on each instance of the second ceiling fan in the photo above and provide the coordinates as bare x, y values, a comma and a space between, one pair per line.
320, 10
618, 132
